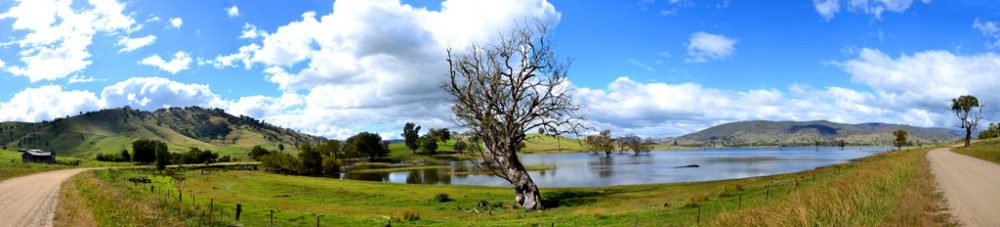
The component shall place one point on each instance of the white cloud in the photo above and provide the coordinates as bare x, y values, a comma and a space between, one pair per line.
83, 79
176, 22
46, 103
233, 11
703, 47
990, 29
129, 44
827, 8
151, 93
928, 80
371, 63
662, 109
251, 32
58, 36
179, 63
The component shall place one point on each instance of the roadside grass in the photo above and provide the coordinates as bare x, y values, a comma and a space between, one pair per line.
113, 203
11, 166
893, 188
988, 150
71, 210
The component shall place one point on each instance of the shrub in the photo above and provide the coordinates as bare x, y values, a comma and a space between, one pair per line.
696, 200
410, 215
442, 198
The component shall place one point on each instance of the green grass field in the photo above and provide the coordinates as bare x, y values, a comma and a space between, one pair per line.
11, 166
892, 188
988, 150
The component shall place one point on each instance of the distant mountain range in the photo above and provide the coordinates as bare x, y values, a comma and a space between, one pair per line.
110, 130
771, 133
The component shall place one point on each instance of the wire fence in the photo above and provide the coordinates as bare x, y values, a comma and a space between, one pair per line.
175, 202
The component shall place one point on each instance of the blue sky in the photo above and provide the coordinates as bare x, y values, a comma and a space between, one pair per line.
648, 67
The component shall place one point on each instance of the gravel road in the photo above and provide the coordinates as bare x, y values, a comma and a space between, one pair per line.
31, 200
971, 186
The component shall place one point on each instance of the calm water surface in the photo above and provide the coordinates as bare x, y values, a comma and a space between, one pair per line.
585, 169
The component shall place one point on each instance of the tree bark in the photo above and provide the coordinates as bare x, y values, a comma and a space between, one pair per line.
968, 136
525, 191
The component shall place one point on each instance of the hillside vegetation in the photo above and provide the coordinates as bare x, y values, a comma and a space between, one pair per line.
772, 133
108, 131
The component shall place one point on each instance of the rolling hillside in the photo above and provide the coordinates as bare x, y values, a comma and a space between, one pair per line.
765, 133
107, 131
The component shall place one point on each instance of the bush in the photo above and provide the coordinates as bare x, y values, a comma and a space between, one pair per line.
695, 201
410, 215
442, 198
144, 151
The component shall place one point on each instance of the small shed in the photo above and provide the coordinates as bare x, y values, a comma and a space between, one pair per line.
37, 156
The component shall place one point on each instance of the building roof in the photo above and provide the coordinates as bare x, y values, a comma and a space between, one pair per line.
37, 152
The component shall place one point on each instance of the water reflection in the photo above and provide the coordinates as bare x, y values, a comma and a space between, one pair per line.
583, 169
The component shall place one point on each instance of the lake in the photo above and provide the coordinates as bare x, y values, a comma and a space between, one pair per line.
587, 169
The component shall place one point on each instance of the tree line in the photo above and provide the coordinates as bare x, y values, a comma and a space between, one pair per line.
604, 142
146, 151
323, 159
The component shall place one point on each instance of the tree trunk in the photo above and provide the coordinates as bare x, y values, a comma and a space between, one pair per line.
968, 136
525, 191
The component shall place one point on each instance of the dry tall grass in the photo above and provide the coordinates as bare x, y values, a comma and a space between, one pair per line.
892, 189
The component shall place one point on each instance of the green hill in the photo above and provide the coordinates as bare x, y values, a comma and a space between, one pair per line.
108, 131
770, 133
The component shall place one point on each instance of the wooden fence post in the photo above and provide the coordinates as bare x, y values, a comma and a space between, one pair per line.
211, 203
272, 218
239, 208
741, 201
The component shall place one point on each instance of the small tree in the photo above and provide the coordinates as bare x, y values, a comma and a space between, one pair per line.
969, 112
460, 146
281, 147
635, 144
162, 155
444, 135
144, 151
257, 151
900, 139
428, 144
312, 160
601, 142
411, 132
125, 155
841, 144
368, 144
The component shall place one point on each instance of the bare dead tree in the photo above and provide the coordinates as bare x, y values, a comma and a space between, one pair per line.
501, 91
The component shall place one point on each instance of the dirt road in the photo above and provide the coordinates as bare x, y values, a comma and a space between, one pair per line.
31, 200
971, 186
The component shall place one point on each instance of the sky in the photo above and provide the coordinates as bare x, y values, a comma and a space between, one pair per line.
653, 68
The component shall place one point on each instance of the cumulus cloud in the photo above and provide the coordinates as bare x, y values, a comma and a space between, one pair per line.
176, 22
371, 63
663, 109
233, 11
703, 47
179, 63
151, 93
829, 8
57, 36
46, 103
251, 32
928, 80
129, 44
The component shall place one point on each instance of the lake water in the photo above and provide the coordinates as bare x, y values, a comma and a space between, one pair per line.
586, 169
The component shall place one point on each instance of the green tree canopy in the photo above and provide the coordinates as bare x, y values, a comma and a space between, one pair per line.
411, 132
368, 144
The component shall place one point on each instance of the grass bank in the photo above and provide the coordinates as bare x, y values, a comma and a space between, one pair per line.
11, 166
886, 189
988, 150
